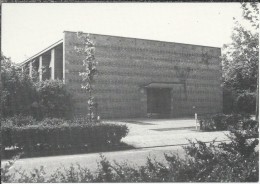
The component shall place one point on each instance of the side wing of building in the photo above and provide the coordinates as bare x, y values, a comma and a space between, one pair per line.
139, 77
47, 64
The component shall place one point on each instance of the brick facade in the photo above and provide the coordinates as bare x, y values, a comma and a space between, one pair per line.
128, 68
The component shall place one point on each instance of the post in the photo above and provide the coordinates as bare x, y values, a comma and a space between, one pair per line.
196, 121
40, 68
52, 64
257, 98
30, 69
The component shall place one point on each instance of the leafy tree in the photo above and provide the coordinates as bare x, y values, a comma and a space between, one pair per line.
18, 93
240, 58
21, 94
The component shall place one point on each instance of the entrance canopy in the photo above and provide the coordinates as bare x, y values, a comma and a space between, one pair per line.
163, 84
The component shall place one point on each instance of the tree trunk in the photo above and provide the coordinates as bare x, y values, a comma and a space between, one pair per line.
257, 98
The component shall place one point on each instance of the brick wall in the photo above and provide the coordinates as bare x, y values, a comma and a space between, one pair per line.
128, 64
58, 61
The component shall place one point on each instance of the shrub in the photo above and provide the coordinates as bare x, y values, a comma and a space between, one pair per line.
54, 134
237, 101
53, 99
206, 123
222, 121
246, 102
251, 125
20, 94
6, 175
18, 120
213, 122
219, 121
17, 92
237, 161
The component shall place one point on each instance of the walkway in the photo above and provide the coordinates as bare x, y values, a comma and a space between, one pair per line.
145, 133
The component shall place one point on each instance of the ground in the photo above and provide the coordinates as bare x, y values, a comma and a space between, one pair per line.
145, 133
151, 137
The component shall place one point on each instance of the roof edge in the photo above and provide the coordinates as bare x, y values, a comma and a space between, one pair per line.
148, 39
42, 51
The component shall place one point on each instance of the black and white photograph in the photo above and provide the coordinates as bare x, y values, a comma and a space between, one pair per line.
129, 92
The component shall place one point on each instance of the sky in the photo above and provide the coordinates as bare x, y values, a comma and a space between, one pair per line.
29, 28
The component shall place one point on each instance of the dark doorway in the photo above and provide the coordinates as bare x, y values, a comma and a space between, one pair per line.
159, 102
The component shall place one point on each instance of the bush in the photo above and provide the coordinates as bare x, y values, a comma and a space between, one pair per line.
250, 125
17, 92
54, 134
246, 102
237, 101
18, 120
21, 95
237, 161
222, 122
53, 100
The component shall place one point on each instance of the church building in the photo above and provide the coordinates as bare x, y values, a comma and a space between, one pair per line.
137, 77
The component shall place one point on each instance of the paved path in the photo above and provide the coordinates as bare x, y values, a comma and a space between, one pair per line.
161, 132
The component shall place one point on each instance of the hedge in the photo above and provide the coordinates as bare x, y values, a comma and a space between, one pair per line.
223, 122
234, 161
63, 135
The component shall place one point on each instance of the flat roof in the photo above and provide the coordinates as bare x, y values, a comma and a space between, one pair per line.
60, 41
41, 52
147, 39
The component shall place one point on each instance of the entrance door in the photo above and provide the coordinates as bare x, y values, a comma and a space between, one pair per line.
159, 101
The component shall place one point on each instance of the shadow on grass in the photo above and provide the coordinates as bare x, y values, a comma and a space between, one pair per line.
8, 154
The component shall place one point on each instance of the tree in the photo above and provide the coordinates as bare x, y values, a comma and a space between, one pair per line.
240, 58
22, 94
17, 92
89, 62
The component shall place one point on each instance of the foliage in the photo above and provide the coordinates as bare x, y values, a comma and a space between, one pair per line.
229, 98
18, 92
238, 102
6, 175
251, 13
240, 62
240, 58
21, 95
251, 126
18, 120
55, 134
234, 161
222, 121
53, 100
245, 102
89, 62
